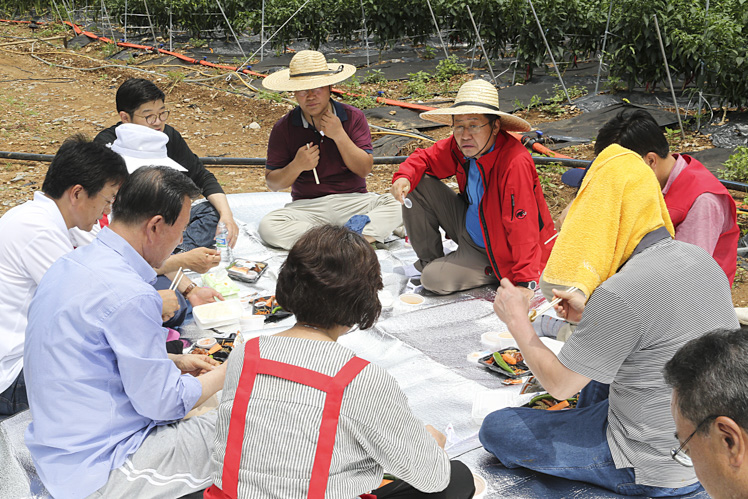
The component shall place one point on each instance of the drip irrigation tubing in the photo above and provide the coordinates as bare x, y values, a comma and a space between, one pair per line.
381, 160
537, 147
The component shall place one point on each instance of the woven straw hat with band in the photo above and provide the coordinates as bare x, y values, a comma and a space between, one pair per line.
308, 69
477, 97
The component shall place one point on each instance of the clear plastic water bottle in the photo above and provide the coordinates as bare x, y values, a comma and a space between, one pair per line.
222, 244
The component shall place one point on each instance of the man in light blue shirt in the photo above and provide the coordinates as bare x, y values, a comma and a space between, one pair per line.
104, 395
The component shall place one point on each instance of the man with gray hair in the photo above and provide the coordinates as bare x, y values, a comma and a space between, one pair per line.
710, 408
106, 400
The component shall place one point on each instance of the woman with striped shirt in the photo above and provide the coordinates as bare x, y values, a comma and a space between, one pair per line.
303, 417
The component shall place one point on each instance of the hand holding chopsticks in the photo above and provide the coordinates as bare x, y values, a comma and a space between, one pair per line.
539, 311
177, 278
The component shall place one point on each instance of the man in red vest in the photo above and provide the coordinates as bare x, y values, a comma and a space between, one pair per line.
702, 211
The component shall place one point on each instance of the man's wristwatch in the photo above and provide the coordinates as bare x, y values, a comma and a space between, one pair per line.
189, 289
531, 285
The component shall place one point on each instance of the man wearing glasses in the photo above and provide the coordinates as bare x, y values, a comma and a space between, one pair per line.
79, 187
322, 150
710, 408
141, 102
499, 219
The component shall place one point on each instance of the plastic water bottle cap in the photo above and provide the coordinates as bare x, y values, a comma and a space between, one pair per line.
408, 203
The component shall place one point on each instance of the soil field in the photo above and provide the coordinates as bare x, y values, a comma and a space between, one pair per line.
48, 93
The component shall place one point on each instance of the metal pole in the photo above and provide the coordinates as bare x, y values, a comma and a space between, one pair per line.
706, 25
276, 32
72, 24
125, 26
262, 31
480, 41
548, 48
602, 52
230, 28
62, 21
148, 15
438, 32
670, 81
108, 19
171, 4
366, 33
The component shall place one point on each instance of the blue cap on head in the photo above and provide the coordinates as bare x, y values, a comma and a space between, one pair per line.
573, 176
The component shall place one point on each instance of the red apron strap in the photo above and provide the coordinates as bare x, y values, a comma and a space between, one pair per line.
334, 388
238, 418
329, 426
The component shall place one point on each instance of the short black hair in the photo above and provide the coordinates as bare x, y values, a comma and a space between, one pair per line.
84, 163
634, 130
135, 92
331, 278
152, 191
709, 376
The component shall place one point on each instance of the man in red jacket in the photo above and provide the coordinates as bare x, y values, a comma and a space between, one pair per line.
702, 211
499, 219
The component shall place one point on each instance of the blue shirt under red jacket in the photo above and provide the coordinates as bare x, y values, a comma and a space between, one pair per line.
514, 215
96, 369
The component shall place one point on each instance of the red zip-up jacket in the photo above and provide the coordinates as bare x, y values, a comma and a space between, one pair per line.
514, 217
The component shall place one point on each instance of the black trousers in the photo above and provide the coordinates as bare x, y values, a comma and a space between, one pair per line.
461, 486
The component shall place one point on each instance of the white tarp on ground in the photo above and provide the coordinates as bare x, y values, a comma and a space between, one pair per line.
424, 347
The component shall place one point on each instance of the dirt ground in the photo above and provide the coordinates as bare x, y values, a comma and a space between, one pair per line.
48, 93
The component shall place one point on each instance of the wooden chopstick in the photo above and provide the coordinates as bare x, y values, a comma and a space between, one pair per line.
539, 311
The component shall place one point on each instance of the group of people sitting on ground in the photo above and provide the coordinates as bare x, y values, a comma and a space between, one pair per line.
300, 415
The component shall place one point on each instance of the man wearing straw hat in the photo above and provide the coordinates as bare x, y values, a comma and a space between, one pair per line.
499, 218
322, 150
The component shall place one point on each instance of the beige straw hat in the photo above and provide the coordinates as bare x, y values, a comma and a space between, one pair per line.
477, 97
308, 69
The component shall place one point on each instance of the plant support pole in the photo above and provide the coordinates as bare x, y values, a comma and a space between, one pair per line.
276, 32
669, 79
262, 31
477, 33
366, 34
548, 48
602, 52
230, 28
148, 15
438, 32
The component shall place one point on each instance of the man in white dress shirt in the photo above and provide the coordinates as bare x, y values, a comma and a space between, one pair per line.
81, 183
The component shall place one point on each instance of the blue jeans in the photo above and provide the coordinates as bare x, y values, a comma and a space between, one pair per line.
14, 399
570, 444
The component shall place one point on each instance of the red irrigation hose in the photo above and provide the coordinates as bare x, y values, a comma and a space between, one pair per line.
537, 147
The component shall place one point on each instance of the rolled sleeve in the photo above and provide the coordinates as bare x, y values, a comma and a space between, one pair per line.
153, 383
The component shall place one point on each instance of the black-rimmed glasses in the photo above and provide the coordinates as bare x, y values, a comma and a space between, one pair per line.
678, 454
151, 119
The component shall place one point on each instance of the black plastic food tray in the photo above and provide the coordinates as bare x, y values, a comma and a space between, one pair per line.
487, 361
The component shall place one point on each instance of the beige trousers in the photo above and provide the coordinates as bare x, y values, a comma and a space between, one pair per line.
436, 205
282, 228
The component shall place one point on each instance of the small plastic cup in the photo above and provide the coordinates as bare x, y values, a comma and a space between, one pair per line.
412, 299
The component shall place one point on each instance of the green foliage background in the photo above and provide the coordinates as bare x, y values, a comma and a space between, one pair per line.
707, 51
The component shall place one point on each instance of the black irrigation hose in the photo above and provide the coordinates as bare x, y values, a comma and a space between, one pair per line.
382, 160
210, 160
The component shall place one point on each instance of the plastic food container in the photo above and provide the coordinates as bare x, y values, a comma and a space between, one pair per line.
206, 343
220, 313
246, 270
412, 299
520, 368
496, 340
